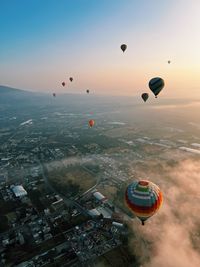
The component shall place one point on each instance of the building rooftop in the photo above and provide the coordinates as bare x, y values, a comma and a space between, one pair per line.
94, 212
99, 196
19, 191
105, 212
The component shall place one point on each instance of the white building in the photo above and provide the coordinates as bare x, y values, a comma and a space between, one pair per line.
99, 196
105, 212
118, 225
18, 190
94, 212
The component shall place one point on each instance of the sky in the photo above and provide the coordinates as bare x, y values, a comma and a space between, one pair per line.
43, 43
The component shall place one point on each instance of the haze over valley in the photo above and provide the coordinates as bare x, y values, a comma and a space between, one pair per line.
131, 140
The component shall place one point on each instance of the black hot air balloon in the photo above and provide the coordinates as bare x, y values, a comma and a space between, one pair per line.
54, 95
87, 91
63, 84
145, 96
123, 47
169, 61
71, 79
156, 85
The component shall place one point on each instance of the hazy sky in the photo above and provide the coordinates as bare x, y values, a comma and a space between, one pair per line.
43, 42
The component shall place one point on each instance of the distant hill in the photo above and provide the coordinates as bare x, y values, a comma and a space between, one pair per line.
7, 90
12, 98
16, 97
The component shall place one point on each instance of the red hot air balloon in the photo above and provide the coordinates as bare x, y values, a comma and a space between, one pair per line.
123, 47
63, 84
143, 198
71, 79
91, 123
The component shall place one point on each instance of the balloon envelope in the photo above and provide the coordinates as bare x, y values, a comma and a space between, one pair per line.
143, 198
156, 85
54, 94
87, 91
63, 83
145, 96
123, 47
71, 79
91, 123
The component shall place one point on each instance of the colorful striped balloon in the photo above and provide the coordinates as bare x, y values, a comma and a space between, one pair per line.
143, 198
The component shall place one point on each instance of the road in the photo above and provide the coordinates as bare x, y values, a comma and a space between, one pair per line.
68, 202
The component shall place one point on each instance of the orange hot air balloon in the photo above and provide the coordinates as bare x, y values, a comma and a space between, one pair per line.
91, 123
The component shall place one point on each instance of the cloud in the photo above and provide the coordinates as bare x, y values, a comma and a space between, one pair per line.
172, 237
170, 106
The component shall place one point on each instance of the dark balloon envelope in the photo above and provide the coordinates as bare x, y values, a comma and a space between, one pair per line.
71, 79
87, 91
63, 83
145, 96
143, 198
54, 95
156, 85
123, 47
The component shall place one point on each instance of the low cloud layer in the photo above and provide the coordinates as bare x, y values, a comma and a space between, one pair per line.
172, 237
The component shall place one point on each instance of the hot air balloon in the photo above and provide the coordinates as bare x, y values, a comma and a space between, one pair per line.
143, 198
54, 95
123, 47
91, 123
63, 84
71, 79
168, 61
156, 85
145, 96
87, 91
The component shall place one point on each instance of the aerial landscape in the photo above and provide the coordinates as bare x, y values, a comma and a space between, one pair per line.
99, 134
